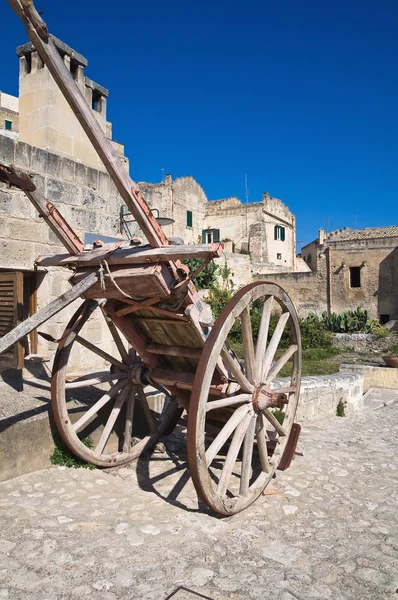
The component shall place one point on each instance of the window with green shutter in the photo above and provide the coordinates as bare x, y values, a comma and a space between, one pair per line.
279, 233
189, 218
209, 236
8, 125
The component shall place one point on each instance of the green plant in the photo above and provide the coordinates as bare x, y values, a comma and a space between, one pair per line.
63, 457
207, 277
340, 408
351, 321
381, 332
279, 415
221, 290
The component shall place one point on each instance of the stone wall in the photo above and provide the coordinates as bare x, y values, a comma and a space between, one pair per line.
362, 342
319, 396
89, 201
374, 377
173, 199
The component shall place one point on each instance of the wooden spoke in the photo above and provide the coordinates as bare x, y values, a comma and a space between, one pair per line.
97, 406
248, 346
231, 401
104, 355
274, 422
234, 367
263, 335
116, 336
129, 420
273, 345
111, 421
225, 433
94, 379
286, 390
262, 444
146, 409
281, 362
232, 455
246, 469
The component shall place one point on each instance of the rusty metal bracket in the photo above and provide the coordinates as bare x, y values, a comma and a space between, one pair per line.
12, 176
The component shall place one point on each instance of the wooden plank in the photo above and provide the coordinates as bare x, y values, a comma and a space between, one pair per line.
137, 282
132, 256
175, 350
46, 313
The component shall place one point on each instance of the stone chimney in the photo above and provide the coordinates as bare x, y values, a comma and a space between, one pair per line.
321, 237
45, 118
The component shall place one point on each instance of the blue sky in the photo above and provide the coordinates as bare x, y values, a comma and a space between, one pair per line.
301, 96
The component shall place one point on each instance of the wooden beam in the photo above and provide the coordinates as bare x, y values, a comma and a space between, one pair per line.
132, 256
46, 313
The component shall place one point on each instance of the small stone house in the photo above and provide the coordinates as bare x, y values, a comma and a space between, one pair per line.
348, 268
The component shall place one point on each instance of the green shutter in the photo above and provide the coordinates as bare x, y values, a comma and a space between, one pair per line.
282, 234
203, 236
216, 236
276, 232
189, 218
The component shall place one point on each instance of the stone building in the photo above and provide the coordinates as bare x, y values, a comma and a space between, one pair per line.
349, 268
39, 133
260, 237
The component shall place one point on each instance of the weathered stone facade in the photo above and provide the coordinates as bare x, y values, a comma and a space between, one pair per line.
349, 268
89, 201
9, 115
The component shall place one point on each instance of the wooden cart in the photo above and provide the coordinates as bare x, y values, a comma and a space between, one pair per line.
147, 298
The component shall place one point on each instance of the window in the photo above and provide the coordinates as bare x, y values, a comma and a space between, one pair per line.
279, 233
189, 218
8, 125
279, 256
209, 236
355, 277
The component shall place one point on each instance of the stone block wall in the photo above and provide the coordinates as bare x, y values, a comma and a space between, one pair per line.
319, 396
374, 377
89, 201
362, 342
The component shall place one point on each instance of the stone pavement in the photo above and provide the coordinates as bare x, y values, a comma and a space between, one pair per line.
330, 531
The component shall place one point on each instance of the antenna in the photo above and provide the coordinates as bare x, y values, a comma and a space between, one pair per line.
327, 224
247, 189
162, 174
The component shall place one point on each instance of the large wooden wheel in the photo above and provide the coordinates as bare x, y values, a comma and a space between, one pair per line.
104, 418
235, 444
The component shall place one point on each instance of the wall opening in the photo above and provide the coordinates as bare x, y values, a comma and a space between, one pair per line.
96, 101
384, 319
279, 233
355, 277
279, 256
8, 125
74, 68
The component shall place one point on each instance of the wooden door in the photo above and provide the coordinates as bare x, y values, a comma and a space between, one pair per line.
11, 313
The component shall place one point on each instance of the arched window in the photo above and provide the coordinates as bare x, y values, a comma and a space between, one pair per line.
279, 233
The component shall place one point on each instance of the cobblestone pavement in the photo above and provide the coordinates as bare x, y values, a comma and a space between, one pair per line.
330, 531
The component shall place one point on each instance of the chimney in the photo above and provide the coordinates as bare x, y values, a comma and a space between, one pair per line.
321, 237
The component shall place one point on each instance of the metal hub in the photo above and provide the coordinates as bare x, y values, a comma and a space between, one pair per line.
264, 397
136, 374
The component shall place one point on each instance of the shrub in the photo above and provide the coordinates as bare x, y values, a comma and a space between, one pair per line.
351, 321
340, 408
381, 332
63, 457
207, 277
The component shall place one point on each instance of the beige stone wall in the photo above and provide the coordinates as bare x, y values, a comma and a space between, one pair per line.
45, 119
9, 112
328, 288
89, 201
173, 199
